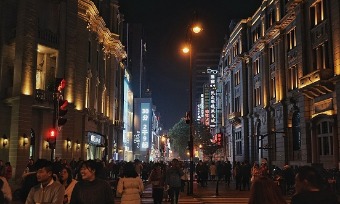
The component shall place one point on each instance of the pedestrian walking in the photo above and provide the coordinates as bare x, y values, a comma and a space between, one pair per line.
227, 169
130, 185
173, 180
265, 191
157, 179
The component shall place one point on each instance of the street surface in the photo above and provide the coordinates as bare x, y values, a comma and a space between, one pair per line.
205, 195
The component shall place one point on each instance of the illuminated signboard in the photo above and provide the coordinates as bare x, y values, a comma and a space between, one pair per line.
206, 105
136, 139
212, 93
95, 138
145, 125
219, 139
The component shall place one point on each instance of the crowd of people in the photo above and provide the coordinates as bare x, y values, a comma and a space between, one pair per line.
95, 181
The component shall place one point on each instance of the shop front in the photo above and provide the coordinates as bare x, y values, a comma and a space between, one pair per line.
96, 146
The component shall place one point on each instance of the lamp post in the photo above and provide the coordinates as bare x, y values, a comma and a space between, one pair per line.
194, 29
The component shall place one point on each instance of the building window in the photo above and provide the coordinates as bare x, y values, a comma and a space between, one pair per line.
325, 138
103, 101
296, 131
271, 55
320, 54
256, 33
107, 106
237, 104
236, 49
291, 39
317, 14
89, 52
256, 64
87, 92
96, 96
98, 62
237, 78
271, 18
257, 96
238, 143
272, 88
293, 78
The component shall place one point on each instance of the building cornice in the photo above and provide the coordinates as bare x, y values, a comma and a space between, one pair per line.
88, 12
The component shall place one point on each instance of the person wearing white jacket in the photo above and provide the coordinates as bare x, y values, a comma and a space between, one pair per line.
130, 185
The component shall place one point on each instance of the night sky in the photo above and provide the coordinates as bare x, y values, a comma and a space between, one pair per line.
165, 25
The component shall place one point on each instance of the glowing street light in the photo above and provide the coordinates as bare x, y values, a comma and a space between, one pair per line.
188, 49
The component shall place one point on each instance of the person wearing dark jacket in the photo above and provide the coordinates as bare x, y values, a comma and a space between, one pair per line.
309, 188
173, 180
91, 189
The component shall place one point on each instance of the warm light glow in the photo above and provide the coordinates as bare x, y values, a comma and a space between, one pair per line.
197, 29
185, 50
200, 146
328, 112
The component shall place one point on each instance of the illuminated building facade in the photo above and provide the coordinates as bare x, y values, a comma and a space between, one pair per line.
77, 40
279, 75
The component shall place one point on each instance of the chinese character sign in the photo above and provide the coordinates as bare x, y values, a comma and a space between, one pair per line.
145, 125
212, 94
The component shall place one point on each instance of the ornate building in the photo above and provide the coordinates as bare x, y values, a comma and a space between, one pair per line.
279, 74
77, 40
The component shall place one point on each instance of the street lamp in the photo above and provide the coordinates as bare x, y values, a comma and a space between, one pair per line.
194, 29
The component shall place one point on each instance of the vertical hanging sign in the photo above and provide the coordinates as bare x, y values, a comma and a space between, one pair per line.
145, 125
212, 90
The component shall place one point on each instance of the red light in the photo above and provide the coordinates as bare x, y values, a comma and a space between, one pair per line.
53, 133
62, 85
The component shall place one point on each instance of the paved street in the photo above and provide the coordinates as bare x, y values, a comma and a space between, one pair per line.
206, 195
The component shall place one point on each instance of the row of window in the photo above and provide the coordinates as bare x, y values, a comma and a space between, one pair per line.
324, 134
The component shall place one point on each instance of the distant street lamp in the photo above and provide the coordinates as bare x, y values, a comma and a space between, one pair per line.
193, 29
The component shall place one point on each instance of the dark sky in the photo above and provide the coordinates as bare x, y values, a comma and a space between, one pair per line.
165, 25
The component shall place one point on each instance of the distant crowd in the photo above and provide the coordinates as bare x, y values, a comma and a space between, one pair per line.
96, 181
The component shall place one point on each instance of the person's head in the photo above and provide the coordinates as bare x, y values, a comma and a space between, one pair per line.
44, 171
265, 191
30, 162
157, 166
307, 178
65, 175
175, 163
129, 170
88, 170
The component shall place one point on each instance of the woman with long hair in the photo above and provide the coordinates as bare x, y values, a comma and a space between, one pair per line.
265, 191
130, 185
65, 178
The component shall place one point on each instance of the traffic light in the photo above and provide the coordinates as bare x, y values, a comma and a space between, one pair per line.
52, 137
60, 84
61, 103
62, 110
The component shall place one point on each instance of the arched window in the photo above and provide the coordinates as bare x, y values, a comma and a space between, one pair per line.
296, 131
325, 137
